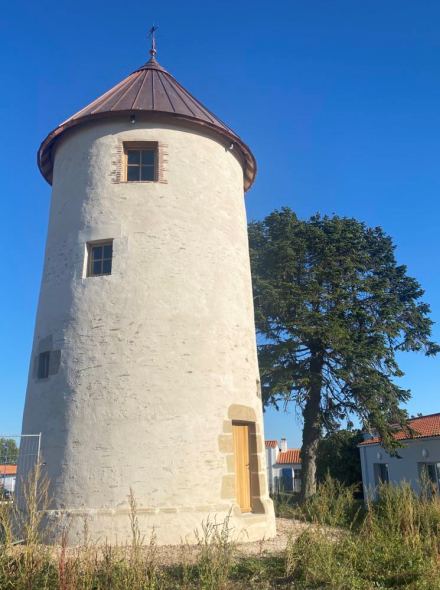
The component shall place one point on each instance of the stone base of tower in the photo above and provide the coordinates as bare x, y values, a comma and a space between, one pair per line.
170, 526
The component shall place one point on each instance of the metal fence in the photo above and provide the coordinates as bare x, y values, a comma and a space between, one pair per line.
17, 449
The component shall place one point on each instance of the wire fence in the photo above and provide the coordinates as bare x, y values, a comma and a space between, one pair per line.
21, 450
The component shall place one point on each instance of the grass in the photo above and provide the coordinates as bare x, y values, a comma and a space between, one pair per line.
392, 543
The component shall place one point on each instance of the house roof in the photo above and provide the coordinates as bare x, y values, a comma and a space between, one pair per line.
152, 91
271, 444
422, 427
8, 470
289, 456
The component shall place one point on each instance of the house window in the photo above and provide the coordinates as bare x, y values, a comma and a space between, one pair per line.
430, 472
287, 479
43, 364
140, 161
381, 473
100, 256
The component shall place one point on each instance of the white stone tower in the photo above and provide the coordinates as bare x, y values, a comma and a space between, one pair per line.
144, 371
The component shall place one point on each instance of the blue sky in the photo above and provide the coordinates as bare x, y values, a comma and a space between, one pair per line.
338, 100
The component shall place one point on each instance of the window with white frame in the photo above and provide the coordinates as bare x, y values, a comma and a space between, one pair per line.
100, 256
141, 161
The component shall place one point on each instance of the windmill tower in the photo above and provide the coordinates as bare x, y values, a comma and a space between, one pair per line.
144, 371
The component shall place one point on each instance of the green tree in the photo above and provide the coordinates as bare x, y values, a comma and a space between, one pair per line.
8, 451
338, 455
332, 310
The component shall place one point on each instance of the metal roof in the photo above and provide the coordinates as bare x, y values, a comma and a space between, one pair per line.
152, 91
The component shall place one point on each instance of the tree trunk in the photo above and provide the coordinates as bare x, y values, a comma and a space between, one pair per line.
312, 429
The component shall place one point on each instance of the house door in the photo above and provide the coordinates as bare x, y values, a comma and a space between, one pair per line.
240, 433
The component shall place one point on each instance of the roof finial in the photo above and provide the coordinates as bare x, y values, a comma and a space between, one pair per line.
152, 34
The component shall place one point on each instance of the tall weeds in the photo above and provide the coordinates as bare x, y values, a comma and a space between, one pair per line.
216, 552
33, 566
334, 505
143, 572
393, 543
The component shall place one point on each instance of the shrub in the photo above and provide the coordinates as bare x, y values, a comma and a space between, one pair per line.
334, 504
287, 505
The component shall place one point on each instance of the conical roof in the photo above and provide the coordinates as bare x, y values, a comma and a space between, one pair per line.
152, 91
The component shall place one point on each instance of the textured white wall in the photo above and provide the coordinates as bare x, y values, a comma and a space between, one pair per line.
270, 460
152, 356
399, 470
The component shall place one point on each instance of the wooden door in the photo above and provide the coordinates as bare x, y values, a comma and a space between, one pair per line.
240, 433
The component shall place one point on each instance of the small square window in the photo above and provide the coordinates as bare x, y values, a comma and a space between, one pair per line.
140, 161
43, 364
100, 255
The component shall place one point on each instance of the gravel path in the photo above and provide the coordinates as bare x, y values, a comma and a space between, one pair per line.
286, 528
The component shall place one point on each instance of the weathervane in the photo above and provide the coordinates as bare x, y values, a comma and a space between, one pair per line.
152, 34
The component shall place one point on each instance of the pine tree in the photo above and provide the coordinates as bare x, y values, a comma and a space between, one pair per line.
8, 451
333, 308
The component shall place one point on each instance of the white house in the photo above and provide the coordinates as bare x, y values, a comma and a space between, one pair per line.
283, 467
8, 475
419, 455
